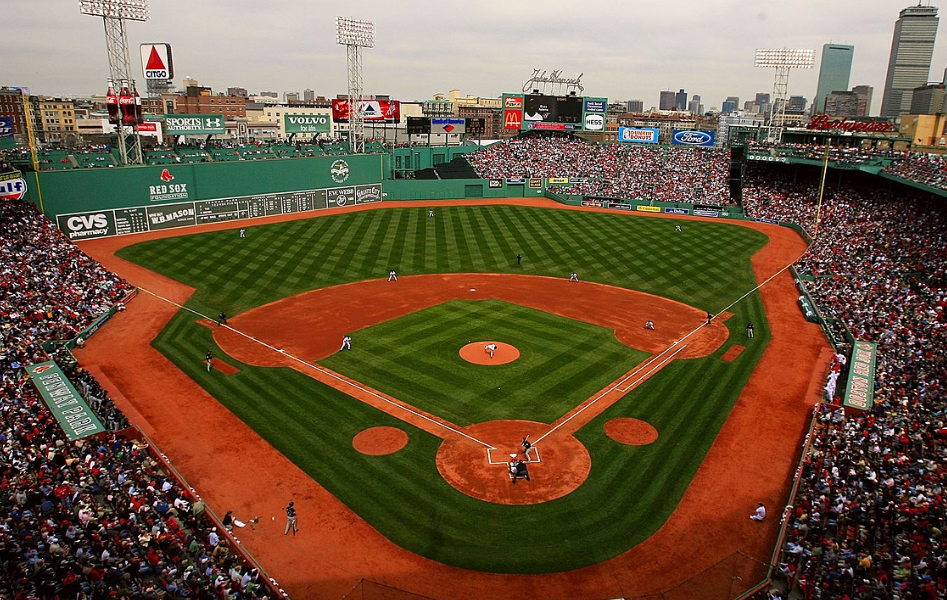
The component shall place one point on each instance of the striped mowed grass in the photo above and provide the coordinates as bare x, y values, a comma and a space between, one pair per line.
633, 489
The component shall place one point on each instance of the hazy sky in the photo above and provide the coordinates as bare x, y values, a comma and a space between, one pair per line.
626, 49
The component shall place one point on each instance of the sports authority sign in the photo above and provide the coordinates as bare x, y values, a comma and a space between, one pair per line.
70, 409
156, 61
306, 123
194, 125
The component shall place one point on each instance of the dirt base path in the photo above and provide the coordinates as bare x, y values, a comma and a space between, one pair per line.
750, 461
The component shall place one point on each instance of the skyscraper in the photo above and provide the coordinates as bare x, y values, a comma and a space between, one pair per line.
667, 100
634, 106
680, 100
864, 99
834, 73
909, 65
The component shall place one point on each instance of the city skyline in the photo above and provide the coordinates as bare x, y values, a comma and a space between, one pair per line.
482, 50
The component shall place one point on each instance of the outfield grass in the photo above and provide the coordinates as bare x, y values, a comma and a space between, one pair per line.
415, 359
631, 490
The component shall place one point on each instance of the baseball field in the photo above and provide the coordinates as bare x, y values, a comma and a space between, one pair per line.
403, 434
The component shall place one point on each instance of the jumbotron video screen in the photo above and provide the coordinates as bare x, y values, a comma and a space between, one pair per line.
553, 109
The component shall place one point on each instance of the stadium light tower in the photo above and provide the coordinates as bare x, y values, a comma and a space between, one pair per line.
782, 60
355, 35
114, 13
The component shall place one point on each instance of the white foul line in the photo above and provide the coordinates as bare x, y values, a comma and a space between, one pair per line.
327, 373
616, 386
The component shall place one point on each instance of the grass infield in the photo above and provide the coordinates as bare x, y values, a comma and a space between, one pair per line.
631, 490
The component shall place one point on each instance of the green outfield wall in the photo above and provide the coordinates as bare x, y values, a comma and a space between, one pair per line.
91, 203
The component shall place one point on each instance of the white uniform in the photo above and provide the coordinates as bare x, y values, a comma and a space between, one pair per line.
760, 513
490, 349
346, 343
392, 276
574, 276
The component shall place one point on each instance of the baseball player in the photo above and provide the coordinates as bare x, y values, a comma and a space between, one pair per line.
519, 259
430, 214
710, 317
574, 276
346, 343
209, 360
527, 445
490, 349
760, 513
649, 325
222, 318
392, 276
243, 233
749, 330
677, 228
290, 519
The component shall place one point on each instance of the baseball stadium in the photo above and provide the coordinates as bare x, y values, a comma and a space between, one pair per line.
549, 366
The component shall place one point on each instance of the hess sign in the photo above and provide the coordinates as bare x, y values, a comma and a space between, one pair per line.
156, 61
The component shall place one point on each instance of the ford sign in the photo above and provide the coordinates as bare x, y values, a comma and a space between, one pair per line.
688, 137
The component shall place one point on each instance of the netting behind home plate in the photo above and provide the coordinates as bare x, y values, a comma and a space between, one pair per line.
725, 580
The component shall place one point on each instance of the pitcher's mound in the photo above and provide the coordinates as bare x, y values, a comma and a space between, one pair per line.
476, 353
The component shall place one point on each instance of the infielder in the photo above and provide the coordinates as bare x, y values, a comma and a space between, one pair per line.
574, 276
649, 325
490, 349
346, 343
392, 276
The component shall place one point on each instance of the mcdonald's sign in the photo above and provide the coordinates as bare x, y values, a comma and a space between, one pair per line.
512, 119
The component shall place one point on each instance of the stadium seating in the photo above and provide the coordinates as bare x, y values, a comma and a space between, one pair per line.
101, 517
869, 517
621, 171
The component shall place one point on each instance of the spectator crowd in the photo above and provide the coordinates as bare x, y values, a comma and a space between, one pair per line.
99, 517
621, 171
868, 521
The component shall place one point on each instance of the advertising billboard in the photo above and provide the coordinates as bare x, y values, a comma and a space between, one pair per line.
513, 111
377, 111
691, 137
194, 125
638, 135
596, 105
6, 126
512, 119
448, 125
306, 123
156, 61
